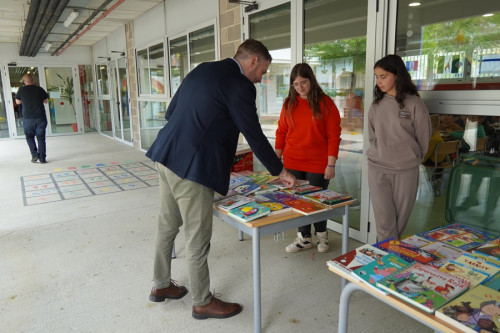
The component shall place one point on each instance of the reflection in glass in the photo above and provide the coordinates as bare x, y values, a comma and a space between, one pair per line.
202, 46
338, 58
105, 124
4, 128
61, 92
450, 45
179, 64
157, 69
152, 119
102, 79
143, 71
87, 94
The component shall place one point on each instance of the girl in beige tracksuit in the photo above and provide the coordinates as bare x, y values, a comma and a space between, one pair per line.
399, 132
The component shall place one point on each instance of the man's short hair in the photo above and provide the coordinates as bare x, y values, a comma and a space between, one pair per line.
252, 47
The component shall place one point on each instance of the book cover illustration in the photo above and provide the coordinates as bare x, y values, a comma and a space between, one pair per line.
470, 260
266, 188
327, 197
356, 258
236, 180
303, 189
459, 235
443, 253
249, 212
491, 249
380, 268
423, 286
298, 182
406, 251
306, 207
473, 276
232, 202
477, 310
280, 196
276, 207
246, 188
493, 282
416, 240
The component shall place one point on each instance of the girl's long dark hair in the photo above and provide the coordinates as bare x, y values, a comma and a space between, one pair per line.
394, 64
314, 96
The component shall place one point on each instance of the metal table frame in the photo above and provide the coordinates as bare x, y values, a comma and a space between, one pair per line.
288, 222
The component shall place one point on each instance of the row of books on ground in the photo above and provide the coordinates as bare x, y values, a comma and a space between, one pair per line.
256, 194
452, 271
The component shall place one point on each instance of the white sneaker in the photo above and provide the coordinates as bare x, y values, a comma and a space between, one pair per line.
323, 241
300, 243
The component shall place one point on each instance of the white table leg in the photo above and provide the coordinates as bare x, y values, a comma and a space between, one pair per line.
256, 279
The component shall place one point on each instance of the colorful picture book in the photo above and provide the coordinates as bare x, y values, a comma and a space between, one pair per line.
303, 189
459, 235
493, 282
237, 179
376, 270
443, 253
327, 197
416, 240
275, 206
356, 258
249, 212
472, 261
474, 311
280, 196
232, 202
406, 251
472, 275
423, 286
298, 182
266, 188
246, 188
307, 207
490, 249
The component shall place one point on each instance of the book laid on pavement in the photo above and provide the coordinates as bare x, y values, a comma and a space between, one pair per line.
459, 235
306, 206
249, 212
423, 286
327, 197
376, 270
472, 261
490, 249
416, 240
356, 258
443, 253
474, 311
232, 202
472, 275
276, 207
406, 251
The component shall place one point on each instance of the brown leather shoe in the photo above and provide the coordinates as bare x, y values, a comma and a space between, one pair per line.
173, 291
216, 309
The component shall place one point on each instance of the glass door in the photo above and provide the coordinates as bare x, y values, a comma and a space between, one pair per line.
120, 100
103, 100
4, 125
62, 106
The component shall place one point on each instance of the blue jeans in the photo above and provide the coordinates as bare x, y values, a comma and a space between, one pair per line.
32, 128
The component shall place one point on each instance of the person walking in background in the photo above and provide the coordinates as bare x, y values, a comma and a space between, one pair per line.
399, 130
32, 97
308, 139
194, 152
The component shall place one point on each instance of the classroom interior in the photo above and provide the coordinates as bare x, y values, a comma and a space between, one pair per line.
121, 85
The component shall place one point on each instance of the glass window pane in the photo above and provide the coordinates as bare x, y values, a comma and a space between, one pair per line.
156, 63
179, 66
102, 79
61, 99
16, 81
4, 128
87, 94
152, 119
202, 46
272, 27
105, 117
143, 70
335, 47
452, 45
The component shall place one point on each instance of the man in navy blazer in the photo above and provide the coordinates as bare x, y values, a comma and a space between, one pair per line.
194, 152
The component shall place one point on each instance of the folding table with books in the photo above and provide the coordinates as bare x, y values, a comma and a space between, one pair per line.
275, 224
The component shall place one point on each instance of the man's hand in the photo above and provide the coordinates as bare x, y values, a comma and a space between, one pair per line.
287, 178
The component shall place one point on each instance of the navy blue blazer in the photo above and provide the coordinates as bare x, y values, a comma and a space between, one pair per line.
214, 103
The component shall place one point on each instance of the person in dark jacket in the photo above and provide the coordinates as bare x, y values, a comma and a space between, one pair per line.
194, 152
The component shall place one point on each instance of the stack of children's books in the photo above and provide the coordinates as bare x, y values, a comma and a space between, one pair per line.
452, 271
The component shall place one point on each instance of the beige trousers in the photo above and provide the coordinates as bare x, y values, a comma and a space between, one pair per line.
393, 197
183, 202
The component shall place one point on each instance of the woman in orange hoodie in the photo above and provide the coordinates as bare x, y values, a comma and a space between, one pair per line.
308, 139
